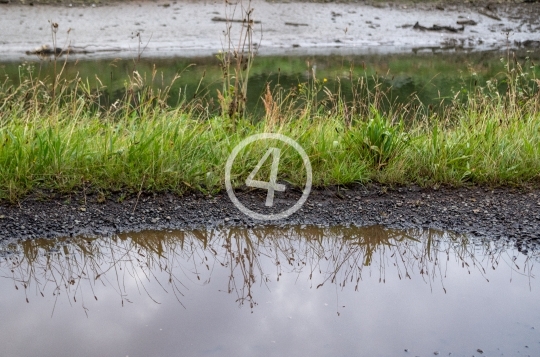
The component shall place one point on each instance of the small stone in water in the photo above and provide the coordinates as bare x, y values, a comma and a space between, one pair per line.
479, 350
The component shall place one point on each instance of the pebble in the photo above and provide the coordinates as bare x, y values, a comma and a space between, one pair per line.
363, 207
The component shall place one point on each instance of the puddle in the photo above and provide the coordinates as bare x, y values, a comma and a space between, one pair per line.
292, 291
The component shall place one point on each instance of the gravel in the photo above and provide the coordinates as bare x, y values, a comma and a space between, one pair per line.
478, 211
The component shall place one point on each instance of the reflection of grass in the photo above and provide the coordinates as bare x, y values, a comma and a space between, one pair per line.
72, 141
72, 268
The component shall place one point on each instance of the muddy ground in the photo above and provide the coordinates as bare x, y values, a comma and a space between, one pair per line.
492, 213
193, 28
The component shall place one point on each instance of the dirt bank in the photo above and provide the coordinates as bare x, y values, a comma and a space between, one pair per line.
493, 213
186, 28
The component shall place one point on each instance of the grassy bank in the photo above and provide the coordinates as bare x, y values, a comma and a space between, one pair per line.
56, 136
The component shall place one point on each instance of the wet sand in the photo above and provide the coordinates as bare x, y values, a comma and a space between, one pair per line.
184, 28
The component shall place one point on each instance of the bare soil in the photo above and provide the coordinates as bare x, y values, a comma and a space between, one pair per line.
188, 28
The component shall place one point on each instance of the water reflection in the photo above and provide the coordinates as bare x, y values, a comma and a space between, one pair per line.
431, 78
247, 261
292, 291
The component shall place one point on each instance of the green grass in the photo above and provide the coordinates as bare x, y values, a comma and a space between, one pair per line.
66, 140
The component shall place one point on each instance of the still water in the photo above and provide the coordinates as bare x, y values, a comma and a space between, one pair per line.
429, 77
293, 291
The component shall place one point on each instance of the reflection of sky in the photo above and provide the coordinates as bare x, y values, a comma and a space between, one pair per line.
291, 319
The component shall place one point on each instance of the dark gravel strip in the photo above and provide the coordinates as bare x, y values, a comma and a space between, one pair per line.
494, 213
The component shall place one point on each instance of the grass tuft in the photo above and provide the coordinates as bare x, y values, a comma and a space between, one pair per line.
59, 137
